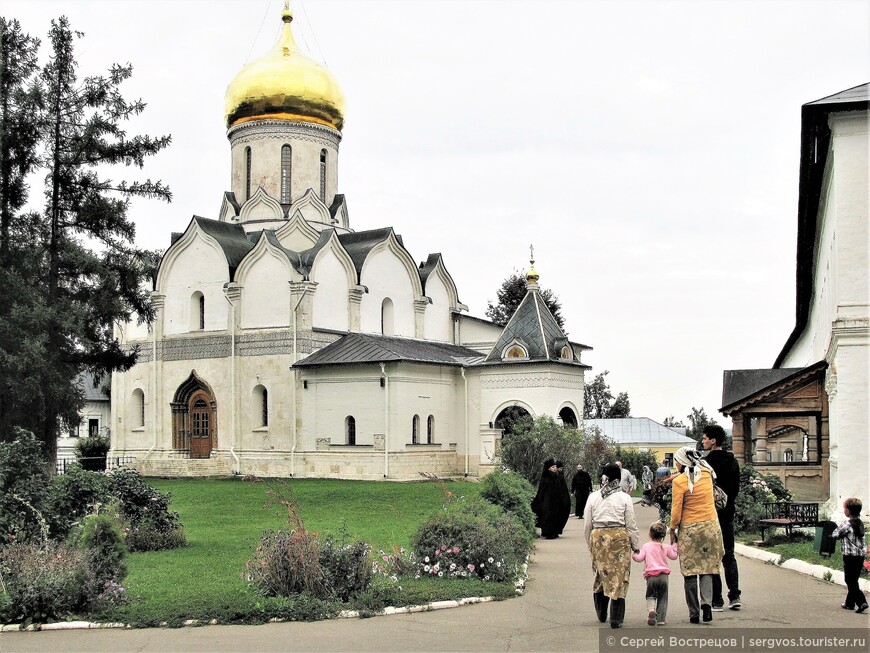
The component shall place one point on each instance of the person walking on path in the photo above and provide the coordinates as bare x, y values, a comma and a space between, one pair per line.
610, 528
656, 571
548, 504
581, 487
646, 478
851, 536
564, 494
695, 525
727, 471
627, 481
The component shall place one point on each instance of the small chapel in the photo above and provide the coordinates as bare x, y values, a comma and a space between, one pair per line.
286, 343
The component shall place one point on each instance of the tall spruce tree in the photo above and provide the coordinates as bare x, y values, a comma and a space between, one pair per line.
88, 275
511, 293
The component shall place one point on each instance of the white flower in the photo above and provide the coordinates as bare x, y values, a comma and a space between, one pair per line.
490, 560
426, 559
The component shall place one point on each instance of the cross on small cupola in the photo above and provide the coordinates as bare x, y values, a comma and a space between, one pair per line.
532, 275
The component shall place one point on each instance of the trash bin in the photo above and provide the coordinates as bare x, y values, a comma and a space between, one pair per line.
824, 544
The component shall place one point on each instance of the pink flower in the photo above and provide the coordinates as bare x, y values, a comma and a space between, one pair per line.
386, 558
470, 567
455, 549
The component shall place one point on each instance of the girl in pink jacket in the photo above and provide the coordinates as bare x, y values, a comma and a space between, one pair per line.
655, 554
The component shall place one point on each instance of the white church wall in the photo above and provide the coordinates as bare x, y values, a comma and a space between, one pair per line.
330, 306
386, 277
436, 320
334, 394
266, 292
266, 138
200, 267
477, 334
271, 372
540, 388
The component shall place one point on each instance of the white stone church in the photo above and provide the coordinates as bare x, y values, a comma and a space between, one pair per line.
286, 343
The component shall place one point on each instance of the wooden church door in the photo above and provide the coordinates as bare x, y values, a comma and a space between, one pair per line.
201, 425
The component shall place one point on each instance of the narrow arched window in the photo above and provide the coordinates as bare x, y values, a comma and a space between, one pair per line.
415, 430
265, 407
286, 158
350, 429
430, 430
323, 175
197, 311
247, 173
138, 412
387, 317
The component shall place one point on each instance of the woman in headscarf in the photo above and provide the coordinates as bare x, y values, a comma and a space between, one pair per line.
611, 534
695, 525
548, 504
646, 478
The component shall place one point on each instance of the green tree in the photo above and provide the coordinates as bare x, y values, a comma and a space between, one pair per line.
599, 402
511, 293
596, 451
532, 442
82, 272
698, 419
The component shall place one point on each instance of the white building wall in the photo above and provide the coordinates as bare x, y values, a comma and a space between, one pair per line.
266, 293
201, 267
330, 306
386, 276
838, 328
436, 320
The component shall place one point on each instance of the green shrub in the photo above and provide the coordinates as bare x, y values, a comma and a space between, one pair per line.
25, 490
102, 538
346, 566
76, 495
531, 443
91, 452
634, 460
287, 563
471, 539
513, 494
755, 490
46, 582
152, 525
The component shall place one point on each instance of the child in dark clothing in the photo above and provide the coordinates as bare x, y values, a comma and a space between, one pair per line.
851, 535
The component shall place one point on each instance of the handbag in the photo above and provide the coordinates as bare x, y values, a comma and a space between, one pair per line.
720, 497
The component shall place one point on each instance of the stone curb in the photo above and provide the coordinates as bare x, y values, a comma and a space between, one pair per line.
817, 571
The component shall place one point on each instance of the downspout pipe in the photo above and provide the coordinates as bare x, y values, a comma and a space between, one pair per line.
233, 381
386, 420
294, 391
465, 380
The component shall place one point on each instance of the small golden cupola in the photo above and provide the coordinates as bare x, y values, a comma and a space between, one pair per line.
284, 84
532, 275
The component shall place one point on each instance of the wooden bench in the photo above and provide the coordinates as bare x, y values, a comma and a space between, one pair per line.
788, 515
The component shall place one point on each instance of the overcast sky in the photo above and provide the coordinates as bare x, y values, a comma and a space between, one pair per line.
648, 150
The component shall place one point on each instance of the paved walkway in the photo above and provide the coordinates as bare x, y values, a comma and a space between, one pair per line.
555, 614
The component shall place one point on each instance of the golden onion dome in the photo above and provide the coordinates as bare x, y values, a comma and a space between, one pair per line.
532, 275
284, 84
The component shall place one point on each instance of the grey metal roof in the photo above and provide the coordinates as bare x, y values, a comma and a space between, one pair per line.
360, 243
860, 93
639, 430
535, 328
86, 382
231, 237
357, 348
739, 384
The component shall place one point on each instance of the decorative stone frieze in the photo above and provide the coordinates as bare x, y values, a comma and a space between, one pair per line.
505, 381
268, 129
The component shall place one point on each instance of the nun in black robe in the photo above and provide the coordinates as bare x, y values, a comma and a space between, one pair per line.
565, 495
547, 504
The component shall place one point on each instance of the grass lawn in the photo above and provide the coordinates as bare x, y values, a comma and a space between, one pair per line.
224, 520
798, 546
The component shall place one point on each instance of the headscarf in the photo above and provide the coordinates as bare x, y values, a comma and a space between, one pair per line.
693, 465
610, 476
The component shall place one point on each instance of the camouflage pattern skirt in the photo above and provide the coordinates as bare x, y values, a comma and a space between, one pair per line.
611, 561
701, 547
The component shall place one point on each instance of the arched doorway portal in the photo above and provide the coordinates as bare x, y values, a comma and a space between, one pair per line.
509, 417
194, 418
568, 417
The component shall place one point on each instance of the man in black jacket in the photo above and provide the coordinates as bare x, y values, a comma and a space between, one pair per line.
728, 478
581, 487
